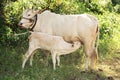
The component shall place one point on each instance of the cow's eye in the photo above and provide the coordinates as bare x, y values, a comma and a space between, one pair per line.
28, 14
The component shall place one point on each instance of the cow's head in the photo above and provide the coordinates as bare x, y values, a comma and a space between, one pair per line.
29, 18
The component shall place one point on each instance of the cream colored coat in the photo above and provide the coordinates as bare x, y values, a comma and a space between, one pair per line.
55, 44
81, 27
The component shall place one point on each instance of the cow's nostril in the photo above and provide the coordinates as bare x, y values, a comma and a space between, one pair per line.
20, 24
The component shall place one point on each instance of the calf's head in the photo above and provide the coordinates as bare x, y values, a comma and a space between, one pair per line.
76, 45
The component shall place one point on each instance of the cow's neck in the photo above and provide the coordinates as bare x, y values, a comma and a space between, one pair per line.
34, 24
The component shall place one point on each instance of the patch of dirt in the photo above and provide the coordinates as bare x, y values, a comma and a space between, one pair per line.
111, 68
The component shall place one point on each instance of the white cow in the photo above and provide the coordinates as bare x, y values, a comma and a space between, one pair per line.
55, 44
83, 28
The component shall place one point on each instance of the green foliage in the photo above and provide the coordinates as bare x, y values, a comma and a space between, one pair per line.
68, 7
11, 45
117, 8
109, 33
109, 22
115, 2
11, 61
93, 7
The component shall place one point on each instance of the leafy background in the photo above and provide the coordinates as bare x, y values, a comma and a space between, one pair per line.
13, 47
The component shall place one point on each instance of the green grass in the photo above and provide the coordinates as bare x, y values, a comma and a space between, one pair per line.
70, 69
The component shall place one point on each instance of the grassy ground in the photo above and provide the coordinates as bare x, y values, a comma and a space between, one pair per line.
70, 69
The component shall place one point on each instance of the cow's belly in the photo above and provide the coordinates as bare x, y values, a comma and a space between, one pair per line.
72, 33
71, 39
69, 36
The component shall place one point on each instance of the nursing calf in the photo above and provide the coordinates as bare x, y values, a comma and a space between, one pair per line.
55, 44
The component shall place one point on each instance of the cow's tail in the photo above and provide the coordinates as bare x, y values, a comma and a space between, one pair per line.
97, 39
97, 43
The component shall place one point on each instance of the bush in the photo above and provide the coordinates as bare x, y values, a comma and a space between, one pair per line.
109, 33
109, 21
13, 11
117, 8
115, 2
95, 8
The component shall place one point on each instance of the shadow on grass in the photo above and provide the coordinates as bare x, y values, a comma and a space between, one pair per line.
11, 60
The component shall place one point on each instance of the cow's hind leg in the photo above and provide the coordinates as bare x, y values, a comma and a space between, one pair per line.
91, 55
94, 59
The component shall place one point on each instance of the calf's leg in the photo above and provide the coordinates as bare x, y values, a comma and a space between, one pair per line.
54, 60
27, 55
58, 60
31, 58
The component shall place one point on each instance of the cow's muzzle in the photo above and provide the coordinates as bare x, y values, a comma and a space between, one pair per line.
20, 24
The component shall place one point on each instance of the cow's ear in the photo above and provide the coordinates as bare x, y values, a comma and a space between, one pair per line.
32, 8
24, 7
40, 11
